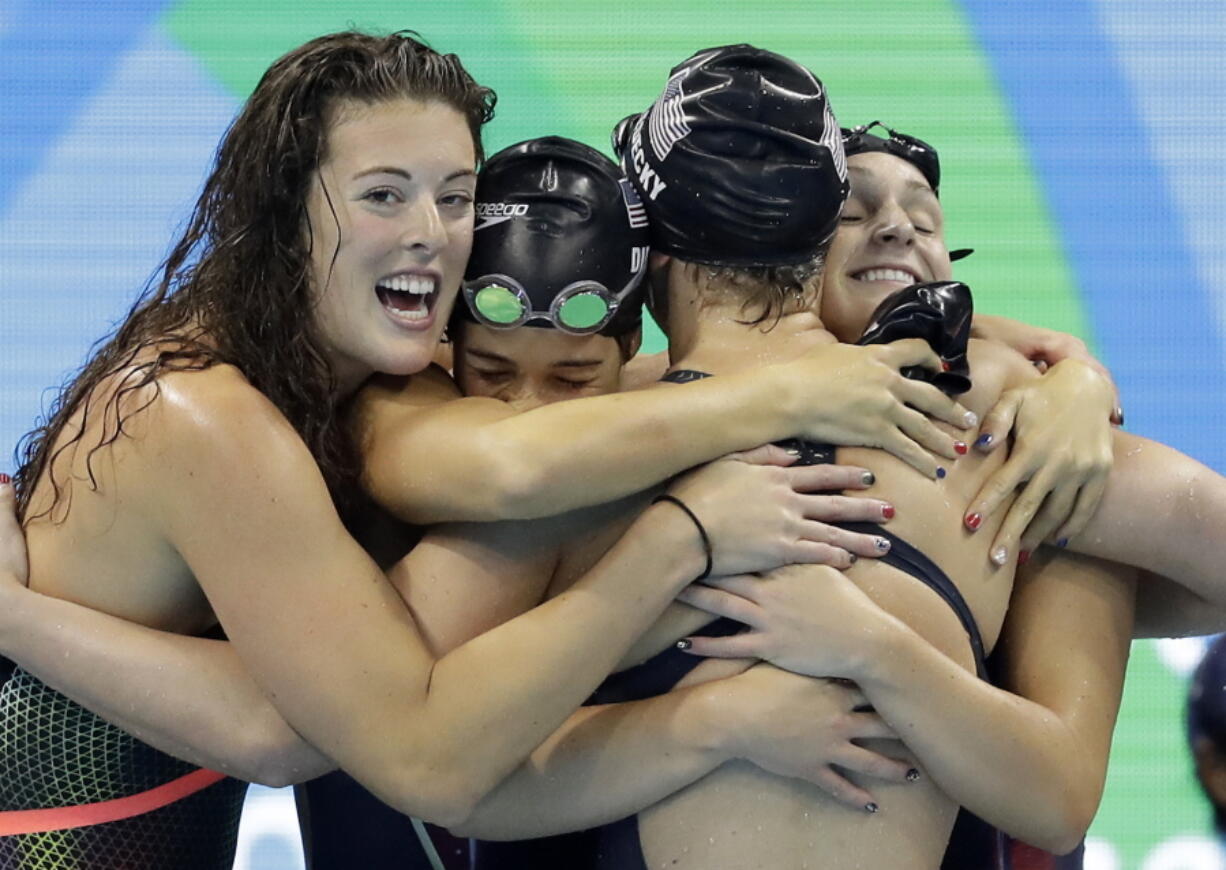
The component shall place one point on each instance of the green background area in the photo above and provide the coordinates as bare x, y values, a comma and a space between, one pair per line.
574, 69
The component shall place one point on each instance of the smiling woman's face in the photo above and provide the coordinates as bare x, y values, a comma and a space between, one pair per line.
891, 236
391, 221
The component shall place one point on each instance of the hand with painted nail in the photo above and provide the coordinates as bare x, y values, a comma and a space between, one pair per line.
1045, 348
14, 565
806, 728
789, 522
811, 620
1061, 456
857, 397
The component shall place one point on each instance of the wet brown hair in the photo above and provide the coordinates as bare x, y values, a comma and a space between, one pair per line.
236, 287
765, 293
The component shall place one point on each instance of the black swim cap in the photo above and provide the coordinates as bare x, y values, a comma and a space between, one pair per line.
739, 162
552, 212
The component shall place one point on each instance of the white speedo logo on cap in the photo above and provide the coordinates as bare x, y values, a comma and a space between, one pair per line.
490, 213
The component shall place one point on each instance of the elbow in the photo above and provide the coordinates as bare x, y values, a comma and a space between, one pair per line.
1066, 826
515, 487
447, 801
279, 763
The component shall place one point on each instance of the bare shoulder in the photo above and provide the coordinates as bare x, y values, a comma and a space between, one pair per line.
998, 364
388, 404
217, 412
424, 389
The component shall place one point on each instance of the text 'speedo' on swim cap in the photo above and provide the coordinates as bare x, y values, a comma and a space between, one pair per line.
739, 161
560, 240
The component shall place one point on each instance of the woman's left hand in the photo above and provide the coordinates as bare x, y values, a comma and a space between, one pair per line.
1061, 452
808, 619
13, 561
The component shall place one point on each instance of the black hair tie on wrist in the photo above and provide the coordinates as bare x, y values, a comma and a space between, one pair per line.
702, 532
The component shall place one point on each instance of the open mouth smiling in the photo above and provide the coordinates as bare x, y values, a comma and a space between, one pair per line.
408, 297
887, 273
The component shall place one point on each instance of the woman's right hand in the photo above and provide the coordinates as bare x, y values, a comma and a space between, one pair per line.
856, 397
804, 727
759, 513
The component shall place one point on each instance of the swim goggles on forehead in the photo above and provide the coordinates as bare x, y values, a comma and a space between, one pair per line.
582, 308
915, 151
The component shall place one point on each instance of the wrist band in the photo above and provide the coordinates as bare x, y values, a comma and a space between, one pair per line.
702, 532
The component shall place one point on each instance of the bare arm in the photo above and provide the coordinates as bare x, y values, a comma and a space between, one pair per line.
463, 579
1162, 511
335, 648
1167, 609
1031, 763
189, 697
501, 465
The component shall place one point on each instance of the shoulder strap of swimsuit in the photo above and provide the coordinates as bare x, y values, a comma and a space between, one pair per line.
684, 376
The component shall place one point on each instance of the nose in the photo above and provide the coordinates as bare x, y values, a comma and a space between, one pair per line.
894, 228
424, 231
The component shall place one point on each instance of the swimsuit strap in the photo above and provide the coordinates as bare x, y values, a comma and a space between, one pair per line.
908, 559
685, 376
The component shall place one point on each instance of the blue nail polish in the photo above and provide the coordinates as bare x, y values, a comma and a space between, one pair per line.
984, 440
940, 474
1063, 542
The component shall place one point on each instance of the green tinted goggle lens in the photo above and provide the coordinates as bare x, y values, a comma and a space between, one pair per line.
498, 304
583, 311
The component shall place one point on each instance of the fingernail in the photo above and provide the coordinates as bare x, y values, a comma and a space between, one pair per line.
973, 521
1117, 416
887, 511
853, 557
684, 643
912, 775
1023, 556
1000, 555
960, 448
944, 366
940, 474
1062, 543
871, 807
984, 440
868, 478
971, 419
792, 451
5, 480
881, 544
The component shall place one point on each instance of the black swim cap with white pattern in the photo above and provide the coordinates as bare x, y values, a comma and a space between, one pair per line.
739, 162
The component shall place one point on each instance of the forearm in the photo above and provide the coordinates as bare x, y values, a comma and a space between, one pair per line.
638, 752
520, 466
1010, 761
490, 702
1179, 534
189, 697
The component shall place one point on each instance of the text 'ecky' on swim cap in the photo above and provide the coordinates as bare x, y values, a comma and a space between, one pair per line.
739, 161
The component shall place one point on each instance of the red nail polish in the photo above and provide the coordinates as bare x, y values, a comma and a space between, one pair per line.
960, 448
887, 511
1023, 556
944, 366
5, 480
973, 521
